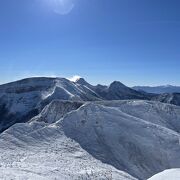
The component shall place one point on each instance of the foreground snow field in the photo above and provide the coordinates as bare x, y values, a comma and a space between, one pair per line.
97, 140
37, 151
170, 174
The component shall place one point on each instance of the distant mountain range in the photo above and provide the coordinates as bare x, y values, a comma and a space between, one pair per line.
158, 89
21, 100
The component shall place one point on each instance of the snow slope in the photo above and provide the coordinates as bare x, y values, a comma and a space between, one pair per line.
56, 110
134, 145
37, 151
163, 114
96, 141
52, 127
170, 174
22, 100
172, 98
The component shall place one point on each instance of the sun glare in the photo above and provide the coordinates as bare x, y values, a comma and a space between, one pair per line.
75, 78
62, 7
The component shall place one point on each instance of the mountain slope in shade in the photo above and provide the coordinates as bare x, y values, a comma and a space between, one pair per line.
170, 174
93, 140
118, 91
56, 110
173, 98
158, 89
21, 100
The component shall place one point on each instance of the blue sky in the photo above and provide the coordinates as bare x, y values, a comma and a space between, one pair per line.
134, 41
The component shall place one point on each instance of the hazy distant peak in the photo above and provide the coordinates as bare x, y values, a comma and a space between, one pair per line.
158, 89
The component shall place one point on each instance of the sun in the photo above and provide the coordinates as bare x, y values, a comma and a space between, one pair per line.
62, 7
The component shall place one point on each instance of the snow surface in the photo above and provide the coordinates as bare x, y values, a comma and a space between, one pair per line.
99, 140
66, 136
56, 110
170, 174
132, 144
36, 151
155, 112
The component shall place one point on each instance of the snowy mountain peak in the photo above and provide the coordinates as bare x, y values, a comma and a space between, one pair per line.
82, 81
74, 78
78, 132
117, 84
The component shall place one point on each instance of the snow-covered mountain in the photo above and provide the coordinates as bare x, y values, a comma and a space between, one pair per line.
118, 91
172, 98
22, 100
96, 140
141, 146
115, 91
158, 89
56, 110
53, 127
37, 151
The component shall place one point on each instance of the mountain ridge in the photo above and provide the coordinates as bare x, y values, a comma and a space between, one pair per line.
53, 127
158, 89
23, 99
112, 136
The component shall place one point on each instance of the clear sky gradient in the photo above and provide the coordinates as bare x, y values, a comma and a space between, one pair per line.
134, 41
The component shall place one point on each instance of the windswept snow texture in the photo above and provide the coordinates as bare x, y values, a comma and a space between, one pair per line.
37, 151
56, 110
98, 140
133, 144
173, 98
170, 174
22, 100
162, 114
